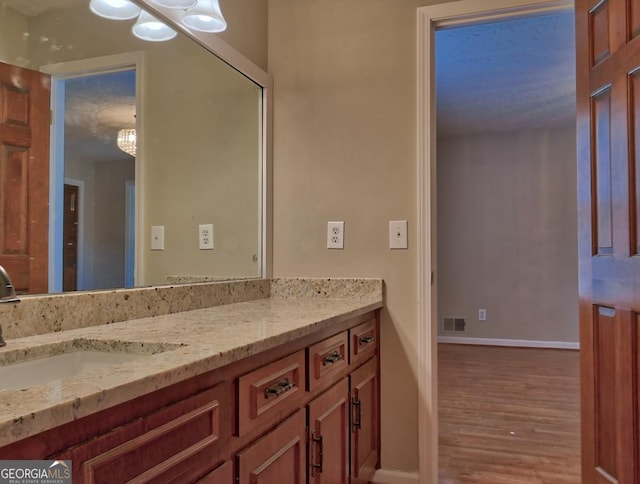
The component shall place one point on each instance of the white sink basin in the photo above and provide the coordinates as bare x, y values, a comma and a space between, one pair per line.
42, 364
18, 376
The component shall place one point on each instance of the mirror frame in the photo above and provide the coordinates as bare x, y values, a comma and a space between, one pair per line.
224, 51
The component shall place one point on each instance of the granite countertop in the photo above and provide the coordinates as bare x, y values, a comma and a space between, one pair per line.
173, 348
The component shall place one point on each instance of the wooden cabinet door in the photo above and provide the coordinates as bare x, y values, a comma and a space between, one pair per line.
329, 436
364, 421
608, 131
278, 457
24, 177
222, 475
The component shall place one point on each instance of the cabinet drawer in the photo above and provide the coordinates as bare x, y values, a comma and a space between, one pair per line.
271, 392
159, 446
364, 342
326, 359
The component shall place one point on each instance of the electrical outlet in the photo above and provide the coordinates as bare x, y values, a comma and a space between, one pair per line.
482, 314
205, 236
335, 235
157, 237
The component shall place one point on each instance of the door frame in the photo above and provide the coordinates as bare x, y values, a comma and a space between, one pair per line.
129, 233
82, 68
430, 19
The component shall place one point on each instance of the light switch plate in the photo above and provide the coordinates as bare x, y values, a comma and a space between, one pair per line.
398, 234
157, 237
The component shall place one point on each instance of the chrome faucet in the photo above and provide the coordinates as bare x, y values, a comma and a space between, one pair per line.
7, 294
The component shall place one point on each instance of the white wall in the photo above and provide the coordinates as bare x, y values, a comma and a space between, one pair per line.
507, 234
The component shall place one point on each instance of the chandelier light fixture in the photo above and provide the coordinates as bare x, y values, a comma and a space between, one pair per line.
115, 9
201, 15
177, 4
205, 16
147, 27
126, 141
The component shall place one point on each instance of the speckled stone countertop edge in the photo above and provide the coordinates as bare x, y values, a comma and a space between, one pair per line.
201, 340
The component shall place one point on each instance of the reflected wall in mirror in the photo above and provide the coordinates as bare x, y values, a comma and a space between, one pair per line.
198, 155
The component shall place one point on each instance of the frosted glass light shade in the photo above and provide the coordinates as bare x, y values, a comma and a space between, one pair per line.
126, 141
147, 27
206, 16
181, 4
115, 9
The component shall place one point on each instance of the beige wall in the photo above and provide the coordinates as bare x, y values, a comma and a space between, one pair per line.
247, 28
13, 42
110, 216
507, 234
345, 149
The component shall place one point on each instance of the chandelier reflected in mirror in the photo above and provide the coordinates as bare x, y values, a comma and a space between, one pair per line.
126, 140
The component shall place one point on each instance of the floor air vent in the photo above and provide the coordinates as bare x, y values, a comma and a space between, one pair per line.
454, 324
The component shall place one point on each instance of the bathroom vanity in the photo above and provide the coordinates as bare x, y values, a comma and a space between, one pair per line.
283, 388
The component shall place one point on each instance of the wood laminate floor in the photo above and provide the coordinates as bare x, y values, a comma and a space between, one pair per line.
508, 415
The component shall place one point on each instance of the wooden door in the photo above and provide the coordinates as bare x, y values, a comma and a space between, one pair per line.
608, 130
328, 460
278, 457
364, 422
70, 238
24, 177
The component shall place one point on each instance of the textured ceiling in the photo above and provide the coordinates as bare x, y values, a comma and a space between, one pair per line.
506, 76
96, 108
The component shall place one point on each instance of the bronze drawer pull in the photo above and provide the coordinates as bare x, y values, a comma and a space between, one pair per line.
278, 388
365, 340
356, 414
316, 468
332, 357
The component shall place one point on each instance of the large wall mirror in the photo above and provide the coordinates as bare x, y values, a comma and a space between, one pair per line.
155, 155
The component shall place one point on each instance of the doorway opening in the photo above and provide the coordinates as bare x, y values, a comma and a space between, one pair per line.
507, 253
91, 103
431, 20
73, 235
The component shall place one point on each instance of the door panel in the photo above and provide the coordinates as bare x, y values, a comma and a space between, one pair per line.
329, 436
601, 119
24, 177
608, 133
364, 422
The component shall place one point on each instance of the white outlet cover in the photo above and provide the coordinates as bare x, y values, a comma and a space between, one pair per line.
205, 236
335, 235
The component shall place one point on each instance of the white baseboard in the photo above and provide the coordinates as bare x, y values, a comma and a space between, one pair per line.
564, 345
384, 476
